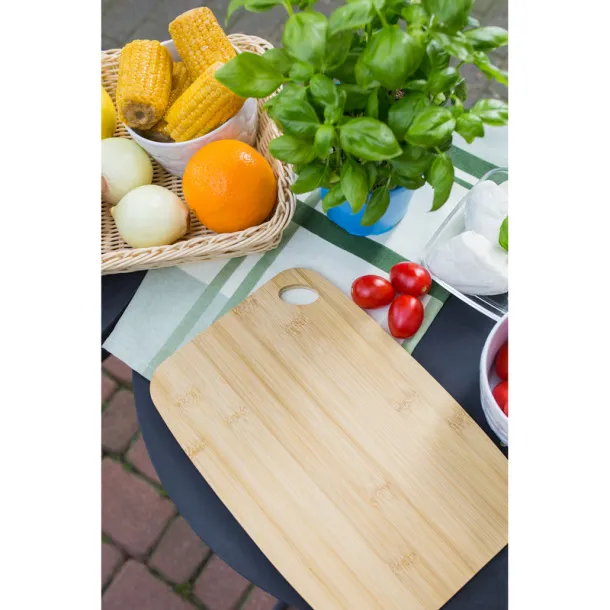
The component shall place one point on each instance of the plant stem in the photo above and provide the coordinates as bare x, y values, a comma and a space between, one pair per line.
380, 15
288, 7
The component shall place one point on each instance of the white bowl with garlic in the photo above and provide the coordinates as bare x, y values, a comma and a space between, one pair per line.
468, 253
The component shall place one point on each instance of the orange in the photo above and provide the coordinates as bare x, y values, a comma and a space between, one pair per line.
230, 186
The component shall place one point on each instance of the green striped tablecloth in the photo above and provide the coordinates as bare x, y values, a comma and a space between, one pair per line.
173, 305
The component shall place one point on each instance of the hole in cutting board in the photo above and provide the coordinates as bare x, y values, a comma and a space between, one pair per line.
298, 295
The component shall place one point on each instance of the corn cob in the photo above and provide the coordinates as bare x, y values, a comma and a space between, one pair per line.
205, 105
200, 41
181, 80
158, 132
144, 83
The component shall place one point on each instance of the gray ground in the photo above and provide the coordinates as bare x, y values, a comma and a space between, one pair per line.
125, 20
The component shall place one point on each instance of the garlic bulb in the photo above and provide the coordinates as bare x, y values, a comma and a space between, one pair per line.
151, 216
125, 166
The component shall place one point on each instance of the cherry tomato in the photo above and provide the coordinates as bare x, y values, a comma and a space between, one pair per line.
500, 393
410, 278
502, 362
405, 316
372, 291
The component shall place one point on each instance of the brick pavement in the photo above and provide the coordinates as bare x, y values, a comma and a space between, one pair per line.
151, 558
125, 20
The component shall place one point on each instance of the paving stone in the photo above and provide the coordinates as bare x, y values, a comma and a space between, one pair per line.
111, 558
108, 387
121, 17
133, 512
179, 553
219, 587
119, 422
138, 457
260, 600
135, 588
118, 369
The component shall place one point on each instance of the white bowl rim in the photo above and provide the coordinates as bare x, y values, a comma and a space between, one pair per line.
486, 387
205, 135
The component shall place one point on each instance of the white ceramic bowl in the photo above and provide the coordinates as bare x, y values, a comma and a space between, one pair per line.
174, 156
496, 418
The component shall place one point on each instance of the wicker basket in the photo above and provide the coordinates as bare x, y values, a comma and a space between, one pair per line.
199, 243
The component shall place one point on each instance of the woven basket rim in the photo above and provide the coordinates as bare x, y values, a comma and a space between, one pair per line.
118, 257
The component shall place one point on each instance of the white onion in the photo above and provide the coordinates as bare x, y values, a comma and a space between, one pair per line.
125, 166
151, 216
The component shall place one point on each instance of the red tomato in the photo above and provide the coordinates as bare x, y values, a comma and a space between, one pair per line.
405, 316
410, 278
500, 393
372, 291
502, 362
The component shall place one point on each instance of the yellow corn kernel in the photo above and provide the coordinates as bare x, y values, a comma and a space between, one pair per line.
200, 41
204, 106
144, 83
181, 80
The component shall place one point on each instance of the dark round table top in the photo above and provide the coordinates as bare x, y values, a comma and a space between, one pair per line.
450, 351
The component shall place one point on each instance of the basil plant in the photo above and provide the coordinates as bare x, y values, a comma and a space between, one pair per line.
371, 96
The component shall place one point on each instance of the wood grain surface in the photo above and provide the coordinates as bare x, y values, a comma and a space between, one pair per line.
353, 470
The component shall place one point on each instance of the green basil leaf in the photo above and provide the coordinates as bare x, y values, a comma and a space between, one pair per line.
323, 141
309, 179
351, 16
333, 198
260, 6
420, 85
289, 91
372, 105
279, 59
503, 237
415, 14
440, 176
443, 80
376, 207
305, 37
356, 97
392, 56
301, 71
323, 89
250, 75
337, 49
402, 113
473, 22
469, 126
386, 100
490, 37
371, 172
483, 63
297, 118
364, 76
492, 112
368, 139
430, 127
346, 72
461, 90
355, 184
454, 46
413, 162
452, 13
292, 150
435, 59
410, 183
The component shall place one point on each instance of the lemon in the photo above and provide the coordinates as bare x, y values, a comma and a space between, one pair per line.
108, 115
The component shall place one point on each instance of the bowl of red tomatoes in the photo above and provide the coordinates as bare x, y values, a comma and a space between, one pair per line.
494, 379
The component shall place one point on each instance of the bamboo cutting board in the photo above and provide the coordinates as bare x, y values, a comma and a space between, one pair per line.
352, 469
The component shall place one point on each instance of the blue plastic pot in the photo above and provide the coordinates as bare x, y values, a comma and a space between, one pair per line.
342, 214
